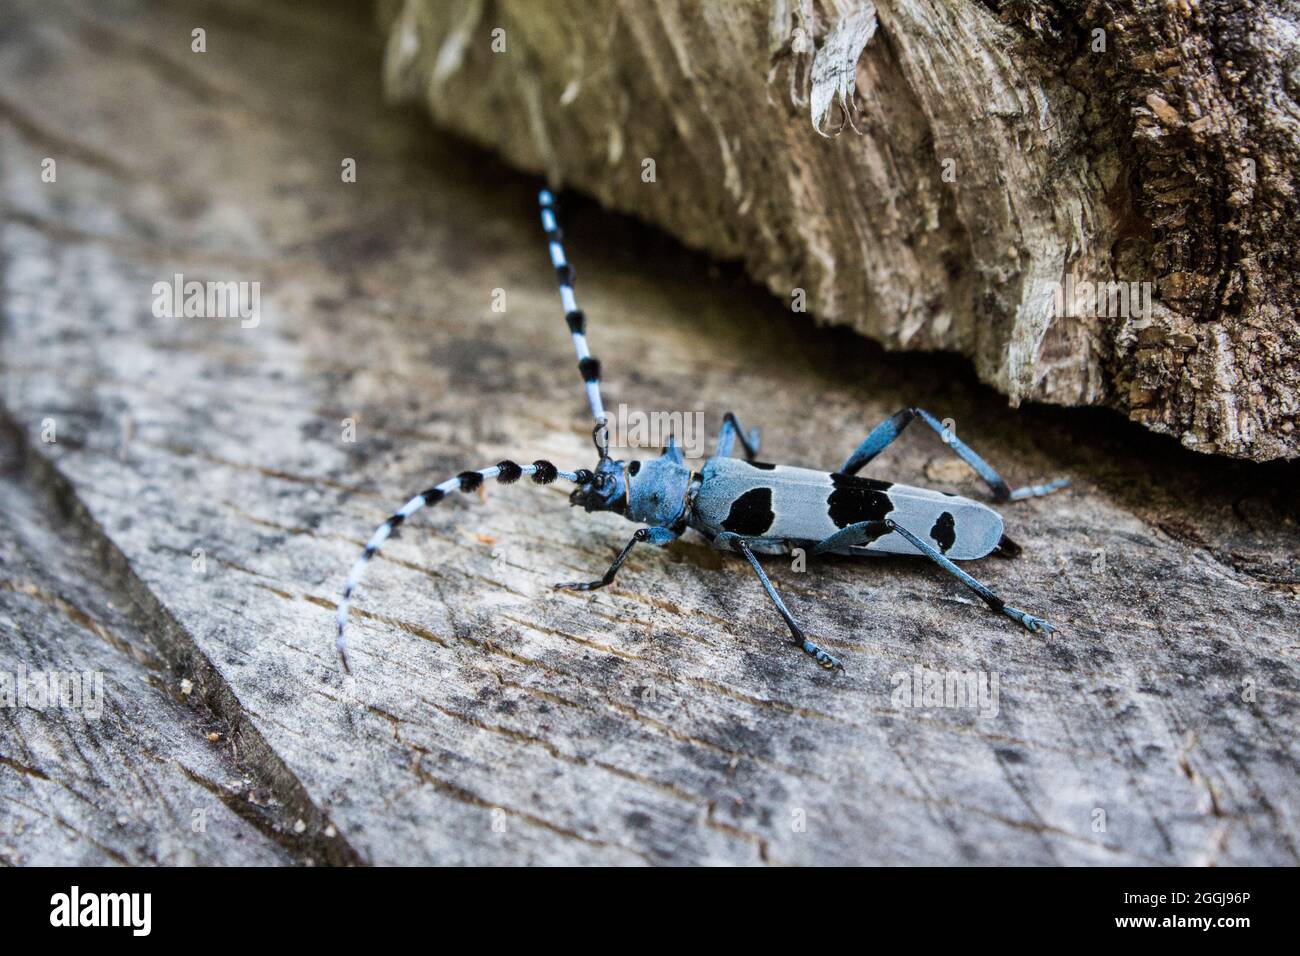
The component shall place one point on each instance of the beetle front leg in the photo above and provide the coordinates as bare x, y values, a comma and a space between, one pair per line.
827, 661
659, 536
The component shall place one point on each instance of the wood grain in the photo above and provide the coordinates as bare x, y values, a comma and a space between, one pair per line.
135, 776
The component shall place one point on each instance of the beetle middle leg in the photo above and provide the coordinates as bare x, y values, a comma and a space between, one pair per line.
884, 434
731, 430
812, 650
660, 536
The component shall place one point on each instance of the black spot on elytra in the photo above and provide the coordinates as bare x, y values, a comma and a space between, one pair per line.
751, 514
857, 499
634, 468
944, 532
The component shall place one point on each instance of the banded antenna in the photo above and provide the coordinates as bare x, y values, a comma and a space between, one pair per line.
588, 364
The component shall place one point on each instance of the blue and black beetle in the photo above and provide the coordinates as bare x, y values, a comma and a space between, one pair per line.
750, 506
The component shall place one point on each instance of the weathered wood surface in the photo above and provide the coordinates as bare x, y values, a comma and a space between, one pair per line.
132, 776
990, 151
490, 719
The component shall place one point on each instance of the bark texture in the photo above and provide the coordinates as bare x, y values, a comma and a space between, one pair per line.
489, 718
930, 172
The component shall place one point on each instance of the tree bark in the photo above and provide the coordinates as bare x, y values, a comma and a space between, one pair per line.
984, 161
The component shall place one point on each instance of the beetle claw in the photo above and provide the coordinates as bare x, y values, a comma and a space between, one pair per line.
1035, 625
828, 661
579, 585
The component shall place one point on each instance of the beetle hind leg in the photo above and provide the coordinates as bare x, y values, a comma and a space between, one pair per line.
884, 434
1035, 625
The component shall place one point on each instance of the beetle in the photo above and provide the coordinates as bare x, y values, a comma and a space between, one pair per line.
748, 506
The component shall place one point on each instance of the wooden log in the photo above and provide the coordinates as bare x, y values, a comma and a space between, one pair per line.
490, 719
1094, 201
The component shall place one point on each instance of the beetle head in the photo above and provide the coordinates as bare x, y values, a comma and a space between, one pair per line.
647, 492
605, 491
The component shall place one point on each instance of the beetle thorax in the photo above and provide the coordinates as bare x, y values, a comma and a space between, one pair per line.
656, 491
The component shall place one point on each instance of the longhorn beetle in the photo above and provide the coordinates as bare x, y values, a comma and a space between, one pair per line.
749, 506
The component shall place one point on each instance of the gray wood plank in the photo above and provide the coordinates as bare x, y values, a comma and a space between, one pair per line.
118, 766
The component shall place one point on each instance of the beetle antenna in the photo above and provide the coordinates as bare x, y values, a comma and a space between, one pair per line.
507, 472
588, 364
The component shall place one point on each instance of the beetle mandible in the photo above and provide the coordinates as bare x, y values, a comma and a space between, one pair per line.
747, 506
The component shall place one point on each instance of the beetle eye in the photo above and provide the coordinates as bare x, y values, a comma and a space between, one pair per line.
634, 467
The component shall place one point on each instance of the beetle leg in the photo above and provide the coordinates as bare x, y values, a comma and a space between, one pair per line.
864, 532
731, 430
1035, 624
883, 435
808, 647
660, 536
